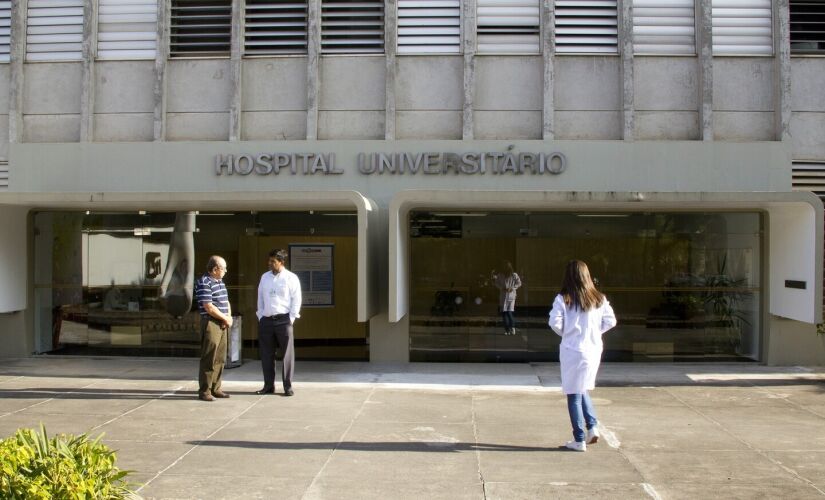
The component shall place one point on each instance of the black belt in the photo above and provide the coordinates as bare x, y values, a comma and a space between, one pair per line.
278, 316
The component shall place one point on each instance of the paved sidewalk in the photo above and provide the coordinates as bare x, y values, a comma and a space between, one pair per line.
474, 431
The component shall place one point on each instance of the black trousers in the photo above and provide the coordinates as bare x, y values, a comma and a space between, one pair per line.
276, 333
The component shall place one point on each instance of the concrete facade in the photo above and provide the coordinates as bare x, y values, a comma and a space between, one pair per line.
608, 113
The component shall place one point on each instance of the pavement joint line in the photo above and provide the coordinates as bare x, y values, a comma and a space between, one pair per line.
786, 400
200, 442
168, 393
338, 444
478, 452
651, 491
760, 452
45, 400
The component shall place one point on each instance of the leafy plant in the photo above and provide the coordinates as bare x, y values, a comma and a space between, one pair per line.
34, 466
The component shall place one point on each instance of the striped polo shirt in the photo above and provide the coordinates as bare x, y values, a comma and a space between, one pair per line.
208, 289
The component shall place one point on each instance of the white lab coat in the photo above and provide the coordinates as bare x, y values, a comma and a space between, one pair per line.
581, 342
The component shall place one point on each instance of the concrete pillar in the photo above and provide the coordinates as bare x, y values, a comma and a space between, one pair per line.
390, 49
705, 69
235, 65
548, 118
626, 53
87, 85
17, 51
468, 17
159, 88
782, 71
313, 69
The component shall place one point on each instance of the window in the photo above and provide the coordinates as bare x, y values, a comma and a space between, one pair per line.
741, 27
429, 26
200, 28
663, 27
54, 30
276, 27
5, 30
508, 26
807, 26
127, 29
587, 26
352, 27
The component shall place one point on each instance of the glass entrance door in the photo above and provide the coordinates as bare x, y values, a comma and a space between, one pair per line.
685, 286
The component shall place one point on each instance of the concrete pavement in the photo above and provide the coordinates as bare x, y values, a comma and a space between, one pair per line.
364, 431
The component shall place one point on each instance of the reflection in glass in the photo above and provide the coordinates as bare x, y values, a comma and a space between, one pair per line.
685, 286
121, 283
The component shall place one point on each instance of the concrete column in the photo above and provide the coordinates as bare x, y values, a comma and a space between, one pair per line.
468, 14
548, 118
17, 51
159, 88
705, 69
87, 89
390, 49
626, 53
782, 70
313, 68
235, 65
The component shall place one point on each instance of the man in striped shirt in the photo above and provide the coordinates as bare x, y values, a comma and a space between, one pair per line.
216, 318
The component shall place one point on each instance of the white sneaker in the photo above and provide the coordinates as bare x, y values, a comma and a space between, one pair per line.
576, 446
593, 435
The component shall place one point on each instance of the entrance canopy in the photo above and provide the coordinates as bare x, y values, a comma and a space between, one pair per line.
794, 232
14, 209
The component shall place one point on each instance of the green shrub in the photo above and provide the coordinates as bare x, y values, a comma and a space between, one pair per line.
33, 466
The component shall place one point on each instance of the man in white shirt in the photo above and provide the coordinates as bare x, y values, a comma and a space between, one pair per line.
279, 305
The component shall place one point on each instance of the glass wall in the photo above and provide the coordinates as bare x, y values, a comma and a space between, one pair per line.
121, 283
685, 286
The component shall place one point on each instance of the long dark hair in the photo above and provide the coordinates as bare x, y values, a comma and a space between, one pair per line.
577, 288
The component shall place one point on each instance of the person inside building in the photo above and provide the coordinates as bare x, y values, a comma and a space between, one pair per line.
580, 315
279, 305
216, 319
507, 282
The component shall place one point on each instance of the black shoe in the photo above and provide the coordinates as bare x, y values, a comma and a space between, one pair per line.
288, 392
266, 390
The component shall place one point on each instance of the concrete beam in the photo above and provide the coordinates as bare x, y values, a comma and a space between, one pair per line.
159, 88
548, 119
17, 52
313, 67
782, 72
705, 69
87, 84
468, 22
235, 67
626, 52
390, 49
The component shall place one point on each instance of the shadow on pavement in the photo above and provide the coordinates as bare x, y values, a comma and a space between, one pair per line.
416, 446
92, 394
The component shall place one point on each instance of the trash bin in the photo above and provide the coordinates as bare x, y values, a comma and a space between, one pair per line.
233, 344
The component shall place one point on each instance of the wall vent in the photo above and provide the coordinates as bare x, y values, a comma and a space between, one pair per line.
54, 30
127, 29
275, 27
809, 176
587, 26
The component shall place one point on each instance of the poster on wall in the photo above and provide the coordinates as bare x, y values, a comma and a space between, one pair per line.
313, 264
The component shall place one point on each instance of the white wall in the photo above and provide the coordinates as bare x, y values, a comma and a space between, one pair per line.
13, 259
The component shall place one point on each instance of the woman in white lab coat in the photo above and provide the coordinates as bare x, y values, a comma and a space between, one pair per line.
580, 315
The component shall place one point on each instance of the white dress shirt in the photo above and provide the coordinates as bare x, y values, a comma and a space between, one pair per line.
279, 294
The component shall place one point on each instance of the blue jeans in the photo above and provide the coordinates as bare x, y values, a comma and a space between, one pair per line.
509, 320
581, 412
